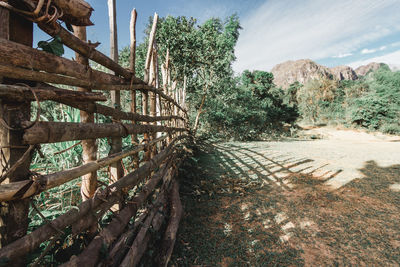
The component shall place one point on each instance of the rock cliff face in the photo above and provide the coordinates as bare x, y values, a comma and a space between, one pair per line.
302, 71
341, 73
363, 70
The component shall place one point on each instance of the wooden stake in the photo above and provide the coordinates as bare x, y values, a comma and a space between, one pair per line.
89, 146
132, 62
14, 214
116, 169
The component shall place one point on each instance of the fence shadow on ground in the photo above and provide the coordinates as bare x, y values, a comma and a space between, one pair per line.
245, 206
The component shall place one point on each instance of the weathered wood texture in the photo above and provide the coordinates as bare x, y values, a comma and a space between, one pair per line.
172, 228
90, 256
89, 146
14, 214
28, 188
53, 132
23, 93
109, 195
25, 74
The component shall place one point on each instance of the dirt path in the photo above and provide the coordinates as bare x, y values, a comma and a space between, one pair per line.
301, 203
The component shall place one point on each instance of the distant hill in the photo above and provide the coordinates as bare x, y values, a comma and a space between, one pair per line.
304, 70
373, 66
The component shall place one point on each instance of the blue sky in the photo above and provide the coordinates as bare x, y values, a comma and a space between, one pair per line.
332, 33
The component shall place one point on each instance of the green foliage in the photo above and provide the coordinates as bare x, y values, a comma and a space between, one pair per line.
372, 102
250, 108
379, 107
55, 46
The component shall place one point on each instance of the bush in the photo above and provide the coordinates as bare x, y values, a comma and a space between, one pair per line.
249, 109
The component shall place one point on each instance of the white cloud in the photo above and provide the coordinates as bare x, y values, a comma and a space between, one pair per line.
343, 55
382, 48
392, 59
368, 51
281, 30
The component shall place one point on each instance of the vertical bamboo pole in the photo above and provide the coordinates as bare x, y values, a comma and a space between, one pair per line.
116, 143
14, 214
132, 61
89, 181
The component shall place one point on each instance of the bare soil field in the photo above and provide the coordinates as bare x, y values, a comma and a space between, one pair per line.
328, 202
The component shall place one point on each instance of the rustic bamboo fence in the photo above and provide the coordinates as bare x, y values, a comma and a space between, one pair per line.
29, 75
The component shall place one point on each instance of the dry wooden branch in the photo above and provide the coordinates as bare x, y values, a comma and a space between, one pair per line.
172, 228
150, 48
75, 12
154, 220
121, 246
90, 256
21, 73
9, 191
31, 241
18, 55
46, 92
115, 113
53, 132
85, 49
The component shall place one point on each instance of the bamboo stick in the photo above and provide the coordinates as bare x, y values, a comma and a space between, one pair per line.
31, 241
52, 132
28, 188
89, 147
46, 92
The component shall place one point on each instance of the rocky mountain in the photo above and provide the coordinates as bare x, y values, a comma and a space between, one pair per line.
341, 73
302, 71
373, 66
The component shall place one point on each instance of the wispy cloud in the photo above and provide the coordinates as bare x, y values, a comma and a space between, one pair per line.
392, 59
343, 55
283, 30
368, 51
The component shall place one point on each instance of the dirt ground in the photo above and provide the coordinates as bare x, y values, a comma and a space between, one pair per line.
328, 202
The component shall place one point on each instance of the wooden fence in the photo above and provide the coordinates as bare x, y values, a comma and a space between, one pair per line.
28, 75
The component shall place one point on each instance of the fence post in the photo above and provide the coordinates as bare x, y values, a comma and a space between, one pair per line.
89, 147
132, 62
14, 214
116, 143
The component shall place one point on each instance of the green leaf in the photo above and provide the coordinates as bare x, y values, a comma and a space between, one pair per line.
54, 47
